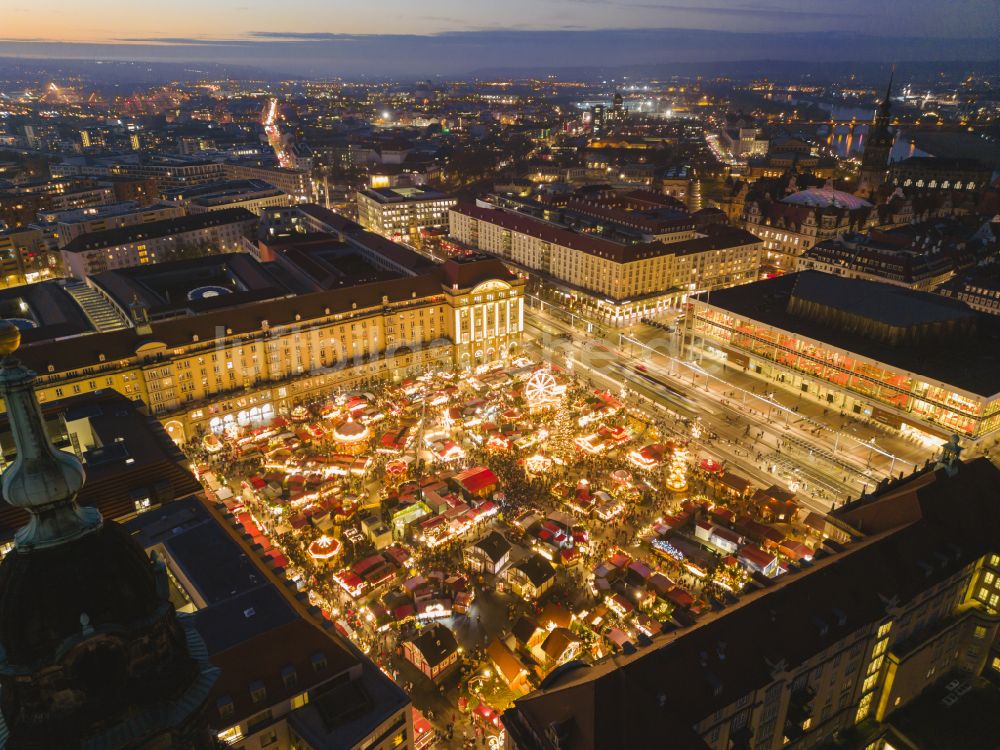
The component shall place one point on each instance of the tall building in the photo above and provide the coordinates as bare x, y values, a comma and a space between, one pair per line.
886, 641
617, 114
875, 159
403, 213
93, 652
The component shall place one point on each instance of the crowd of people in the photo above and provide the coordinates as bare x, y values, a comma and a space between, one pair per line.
519, 490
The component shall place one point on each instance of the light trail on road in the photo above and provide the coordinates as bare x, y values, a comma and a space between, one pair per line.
728, 447
270, 123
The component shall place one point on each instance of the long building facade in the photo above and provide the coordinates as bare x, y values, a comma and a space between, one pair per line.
217, 231
213, 369
620, 282
910, 361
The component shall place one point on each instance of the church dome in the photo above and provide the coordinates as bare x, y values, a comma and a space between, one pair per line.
826, 198
104, 576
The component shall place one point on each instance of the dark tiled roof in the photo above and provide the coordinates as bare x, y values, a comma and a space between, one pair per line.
469, 271
973, 365
154, 229
250, 630
112, 483
436, 644
536, 568
494, 546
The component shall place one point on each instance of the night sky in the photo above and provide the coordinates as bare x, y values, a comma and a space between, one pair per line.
454, 36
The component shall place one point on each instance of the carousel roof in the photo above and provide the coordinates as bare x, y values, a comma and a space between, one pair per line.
350, 430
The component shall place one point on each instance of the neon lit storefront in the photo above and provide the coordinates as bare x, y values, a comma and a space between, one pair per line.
894, 397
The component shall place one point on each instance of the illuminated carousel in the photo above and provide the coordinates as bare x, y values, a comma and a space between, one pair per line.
324, 549
351, 437
677, 470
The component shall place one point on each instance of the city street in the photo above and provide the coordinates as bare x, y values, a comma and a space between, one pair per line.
817, 452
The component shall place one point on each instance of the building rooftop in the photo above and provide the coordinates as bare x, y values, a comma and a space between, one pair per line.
876, 301
660, 691
392, 253
970, 362
494, 545
250, 629
965, 722
537, 569
155, 229
127, 455
467, 271
190, 286
43, 311
224, 192
823, 197
210, 325
404, 194
342, 717
436, 643
718, 238
329, 220
321, 261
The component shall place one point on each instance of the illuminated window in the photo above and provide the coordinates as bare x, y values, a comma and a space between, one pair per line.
231, 736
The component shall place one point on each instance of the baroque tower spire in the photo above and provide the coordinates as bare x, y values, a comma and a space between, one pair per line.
42, 479
92, 651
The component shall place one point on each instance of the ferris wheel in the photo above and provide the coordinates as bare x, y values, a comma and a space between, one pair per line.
542, 388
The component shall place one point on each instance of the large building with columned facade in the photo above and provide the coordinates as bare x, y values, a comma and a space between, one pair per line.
215, 342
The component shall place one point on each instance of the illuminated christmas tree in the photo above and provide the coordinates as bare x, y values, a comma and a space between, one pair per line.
559, 444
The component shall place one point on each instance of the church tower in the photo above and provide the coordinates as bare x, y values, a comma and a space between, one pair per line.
92, 652
875, 159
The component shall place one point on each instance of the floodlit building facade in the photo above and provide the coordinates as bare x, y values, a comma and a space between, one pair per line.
791, 226
401, 213
212, 364
621, 283
911, 361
